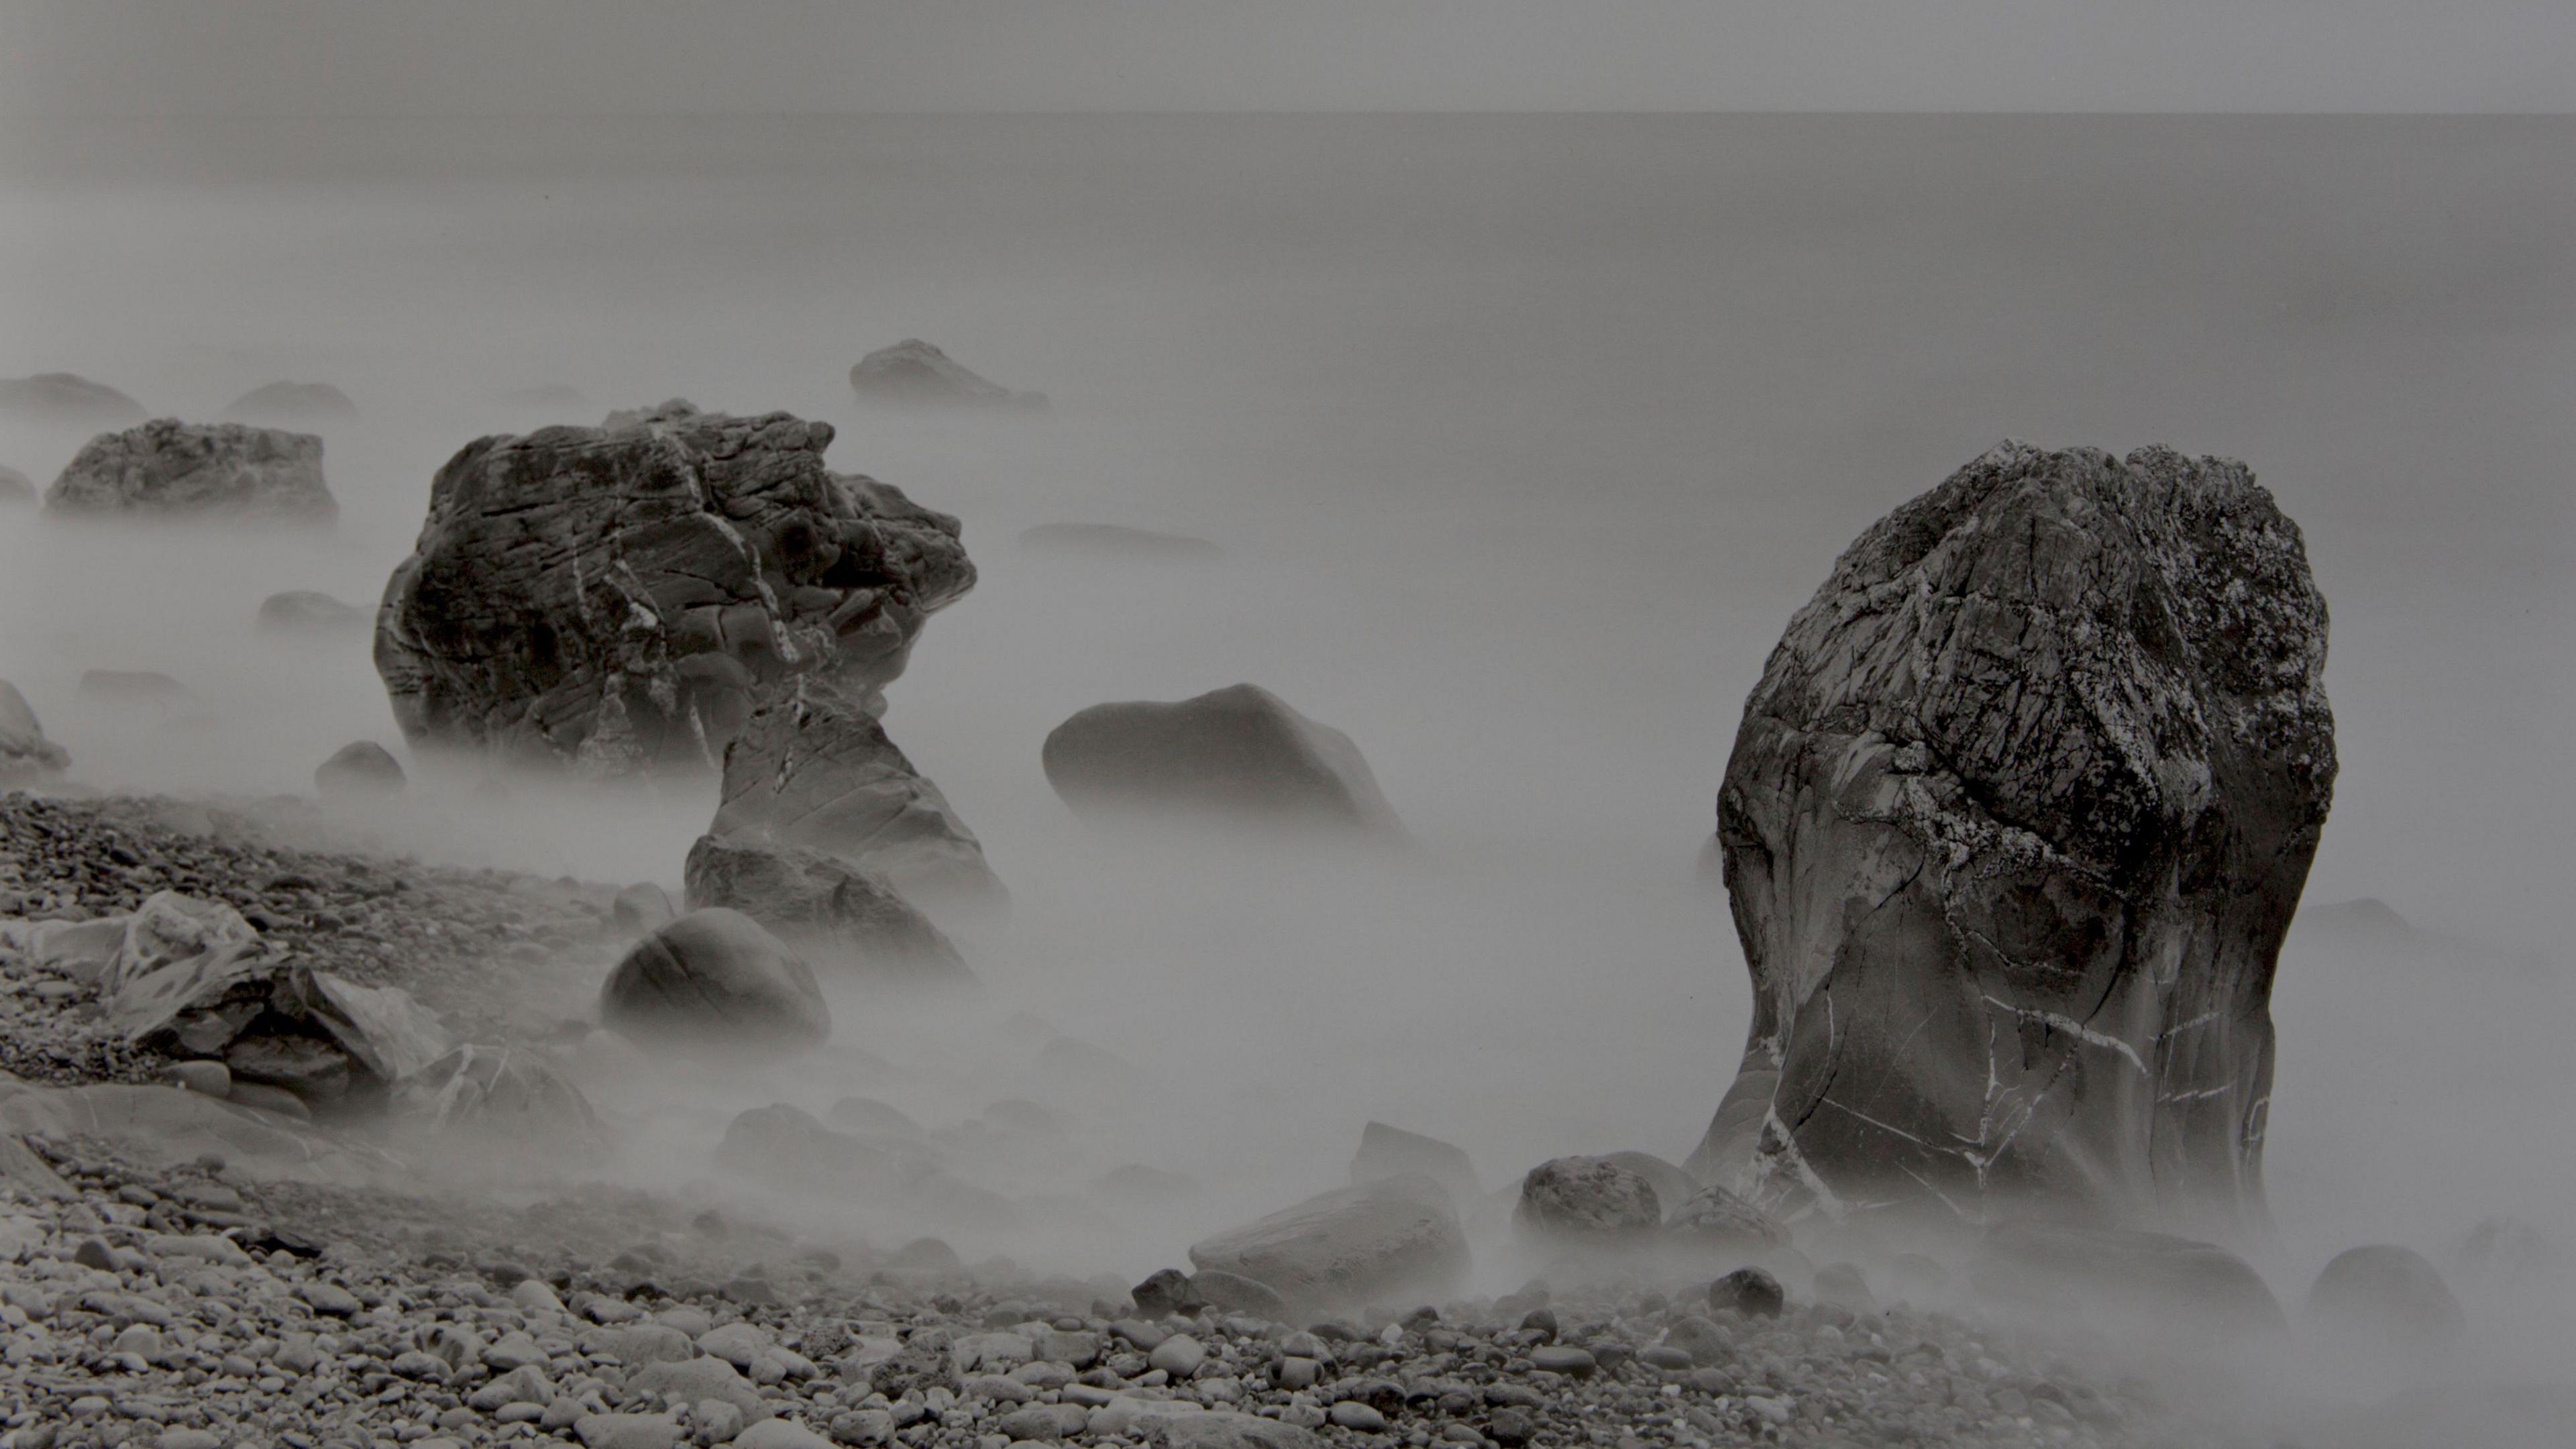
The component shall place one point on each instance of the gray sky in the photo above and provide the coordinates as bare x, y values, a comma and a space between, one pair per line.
478, 57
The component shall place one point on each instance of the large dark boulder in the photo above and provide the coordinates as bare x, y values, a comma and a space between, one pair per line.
1379, 1240
300, 403
2013, 827
915, 373
65, 398
812, 767
1587, 1197
615, 597
715, 977
828, 909
224, 470
1234, 754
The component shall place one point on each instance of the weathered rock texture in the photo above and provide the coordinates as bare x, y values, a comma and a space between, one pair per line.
293, 402
826, 908
614, 597
62, 397
1238, 753
2013, 827
814, 768
913, 371
166, 466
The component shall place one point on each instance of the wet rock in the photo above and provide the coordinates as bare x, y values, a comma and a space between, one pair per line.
2386, 1301
1580, 1197
167, 467
715, 977
65, 399
913, 372
306, 611
831, 911
2118, 1273
614, 598
1111, 541
25, 753
813, 768
2021, 808
1749, 1292
1377, 1240
1238, 754
300, 404
359, 769
1392, 1152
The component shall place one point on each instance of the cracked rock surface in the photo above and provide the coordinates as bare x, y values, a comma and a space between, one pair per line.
166, 466
2013, 827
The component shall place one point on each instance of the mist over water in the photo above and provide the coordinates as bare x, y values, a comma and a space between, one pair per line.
1522, 438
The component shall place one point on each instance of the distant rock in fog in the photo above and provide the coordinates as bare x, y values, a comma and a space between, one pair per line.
611, 598
16, 487
1114, 541
1392, 1152
813, 767
1239, 754
25, 753
61, 397
2124, 1277
301, 403
2385, 1303
170, 468
823, 906
133, 686
1393, 1239
2014, 824
306, 611
914, 372
715, 978
359, 768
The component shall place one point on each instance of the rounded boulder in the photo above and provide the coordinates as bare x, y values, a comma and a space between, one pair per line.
714, 977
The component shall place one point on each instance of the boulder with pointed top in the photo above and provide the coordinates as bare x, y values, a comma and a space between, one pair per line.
916, 373
2013, 827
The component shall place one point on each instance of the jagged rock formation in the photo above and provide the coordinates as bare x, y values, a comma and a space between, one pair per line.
16, 487
1234, 754
62, 397
2013, 827
826, 908
914, 372
166, 466
293, 402
613, 598
25, 753
813, 768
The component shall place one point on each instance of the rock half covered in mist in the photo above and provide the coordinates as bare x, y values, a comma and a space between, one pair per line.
2013, 827
301, 403
25, 753
2385, 1302
825, 907
2123, 1276
220, 470
308, 611
715, 978
1237, 754
1587, 1197
1392, 1152
613, 597
66, 398
16, 487
915, 372
1397, 1237
814, 768
359, 768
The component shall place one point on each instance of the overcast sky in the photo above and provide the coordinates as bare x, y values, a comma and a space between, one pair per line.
475, 57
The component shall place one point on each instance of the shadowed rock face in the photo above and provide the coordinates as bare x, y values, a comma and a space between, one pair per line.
830, 910
2013, 828
169, 467
615, 597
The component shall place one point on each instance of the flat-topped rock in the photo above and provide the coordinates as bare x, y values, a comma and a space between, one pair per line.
302, 403
207, 470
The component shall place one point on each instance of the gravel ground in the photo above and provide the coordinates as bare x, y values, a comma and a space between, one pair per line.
203, 1306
